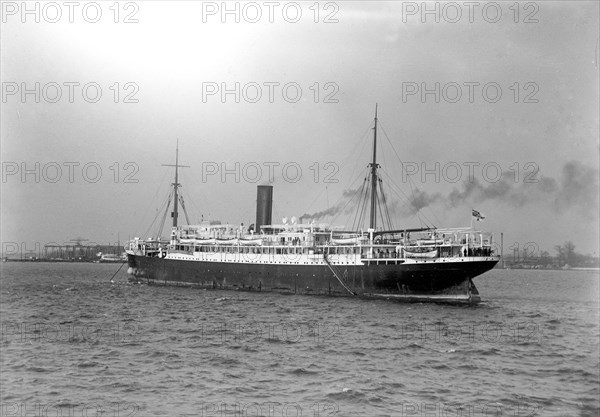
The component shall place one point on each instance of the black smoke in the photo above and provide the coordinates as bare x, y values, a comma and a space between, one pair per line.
577, 188
341, 206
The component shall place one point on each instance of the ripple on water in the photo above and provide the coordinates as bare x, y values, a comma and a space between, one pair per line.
154, 348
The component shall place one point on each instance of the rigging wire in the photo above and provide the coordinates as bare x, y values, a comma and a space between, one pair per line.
421, 217
362, 207
246, 212
148, 206
342, 197
316, 198
162, 224
407, 200
343, 209
358, 145
381, 199
363, 213
399, 159
355, 222
191, 202
360, 141
410, 181
387, 212
339, 200
159, 211
187, 219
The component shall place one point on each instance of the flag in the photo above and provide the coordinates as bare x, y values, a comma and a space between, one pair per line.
477, 215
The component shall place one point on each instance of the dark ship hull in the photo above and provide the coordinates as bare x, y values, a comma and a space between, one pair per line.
438, 281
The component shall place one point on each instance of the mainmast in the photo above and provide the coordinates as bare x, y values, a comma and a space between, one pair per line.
176, 184
374, 166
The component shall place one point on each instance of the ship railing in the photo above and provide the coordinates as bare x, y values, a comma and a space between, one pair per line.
400, 259
389, 252
276, 249
235, 243
416, 251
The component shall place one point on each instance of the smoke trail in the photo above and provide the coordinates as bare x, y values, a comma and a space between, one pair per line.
336, 209
577, 187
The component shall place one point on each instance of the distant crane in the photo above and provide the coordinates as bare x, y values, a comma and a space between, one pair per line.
79, 249
78, 240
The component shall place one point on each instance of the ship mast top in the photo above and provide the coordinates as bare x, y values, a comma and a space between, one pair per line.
176, 184
374, 166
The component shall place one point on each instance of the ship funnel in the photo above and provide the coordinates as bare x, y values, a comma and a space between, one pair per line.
264, 206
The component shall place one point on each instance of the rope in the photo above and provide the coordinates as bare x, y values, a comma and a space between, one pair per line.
111, 278
336, 275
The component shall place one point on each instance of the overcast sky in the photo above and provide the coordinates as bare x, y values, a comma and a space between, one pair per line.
516, 110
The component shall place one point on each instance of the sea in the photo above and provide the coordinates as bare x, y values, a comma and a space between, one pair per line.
76, 341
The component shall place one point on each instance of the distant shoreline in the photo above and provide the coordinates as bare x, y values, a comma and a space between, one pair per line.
62, 261
539, 267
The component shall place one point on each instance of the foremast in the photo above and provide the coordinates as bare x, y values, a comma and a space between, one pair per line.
176, 184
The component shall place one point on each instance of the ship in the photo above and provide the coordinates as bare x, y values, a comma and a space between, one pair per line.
425, 264
109, 258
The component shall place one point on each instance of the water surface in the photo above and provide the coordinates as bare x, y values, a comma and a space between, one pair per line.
73, 343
